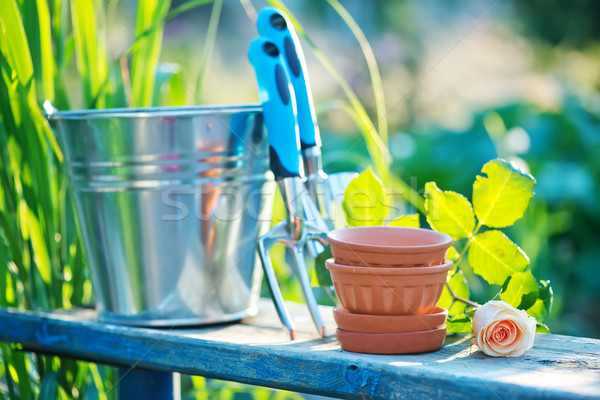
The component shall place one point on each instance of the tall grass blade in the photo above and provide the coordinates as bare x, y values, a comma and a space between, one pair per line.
36, 18
182, 8
15, 46
159, 24
378, 94
98, 382
19, 370
170, 88
209, 44
48, 386
146, 56
90, 54
64, 46
9, 381
42, 258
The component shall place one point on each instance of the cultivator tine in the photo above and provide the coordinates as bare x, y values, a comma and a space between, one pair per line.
300, 269
279, 234
264, 246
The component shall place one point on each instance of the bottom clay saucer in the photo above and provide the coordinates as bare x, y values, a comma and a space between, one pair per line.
392, 343
367, 323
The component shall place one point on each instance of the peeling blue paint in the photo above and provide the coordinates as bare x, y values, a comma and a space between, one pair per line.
46, 338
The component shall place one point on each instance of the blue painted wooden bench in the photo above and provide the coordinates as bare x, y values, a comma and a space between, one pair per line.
257, 351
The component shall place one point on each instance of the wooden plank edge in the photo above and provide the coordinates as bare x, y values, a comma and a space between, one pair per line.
341, 374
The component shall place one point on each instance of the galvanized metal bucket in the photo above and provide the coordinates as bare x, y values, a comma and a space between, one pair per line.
171, 202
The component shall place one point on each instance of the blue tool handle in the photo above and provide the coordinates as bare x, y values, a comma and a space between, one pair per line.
275, 26
279, 107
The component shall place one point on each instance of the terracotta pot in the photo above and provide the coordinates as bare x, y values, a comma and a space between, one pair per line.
392, 343
366, 290
366, 323
388, 246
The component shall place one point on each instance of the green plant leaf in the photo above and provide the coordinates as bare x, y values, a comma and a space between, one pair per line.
495, 257
321, 271
452, 254
364, 200
541, 328
42, 258
90, 50
48, 386
458, 324
448, 212
498, 296
501, 197
36, 19
459, 287
521, 290
541, 308
17, 49
20, 366
146, 56
176, 93
407, 221
170, 89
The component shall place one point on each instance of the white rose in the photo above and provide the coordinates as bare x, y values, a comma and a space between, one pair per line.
503, 331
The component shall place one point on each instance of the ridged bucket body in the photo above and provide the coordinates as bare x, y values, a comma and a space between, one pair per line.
171, 202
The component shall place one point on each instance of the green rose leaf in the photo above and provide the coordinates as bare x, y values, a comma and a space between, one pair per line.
458, 324
459, 287
521, 290
364, 200
541, 308
498, 296
501, 197
321, 271
494, 257
407, 221
542, 328
452, 254
448, 212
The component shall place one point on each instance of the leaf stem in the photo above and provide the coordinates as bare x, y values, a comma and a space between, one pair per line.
456, 298
459, 259
471, 237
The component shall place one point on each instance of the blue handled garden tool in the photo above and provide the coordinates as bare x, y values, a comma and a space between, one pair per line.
279, 112
275, 26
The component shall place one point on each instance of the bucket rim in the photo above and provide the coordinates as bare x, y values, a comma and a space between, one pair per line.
154, 112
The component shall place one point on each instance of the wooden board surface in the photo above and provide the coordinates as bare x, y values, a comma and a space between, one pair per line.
259, 352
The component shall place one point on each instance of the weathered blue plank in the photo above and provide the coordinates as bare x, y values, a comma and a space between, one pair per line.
258, 352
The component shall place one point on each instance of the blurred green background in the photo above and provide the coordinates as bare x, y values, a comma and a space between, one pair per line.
464, 82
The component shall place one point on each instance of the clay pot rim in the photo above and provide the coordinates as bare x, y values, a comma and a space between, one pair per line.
436, 311
444, 242
383, 335
331, 265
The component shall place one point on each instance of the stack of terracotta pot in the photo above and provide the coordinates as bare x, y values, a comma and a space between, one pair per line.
388, 281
